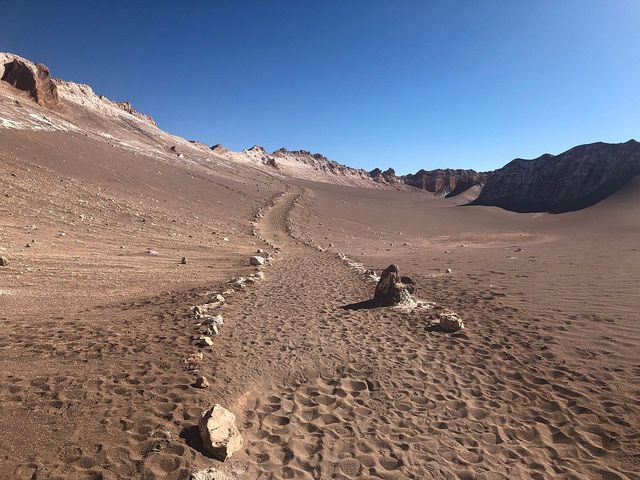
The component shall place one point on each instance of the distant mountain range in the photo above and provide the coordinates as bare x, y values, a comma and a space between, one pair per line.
572, 180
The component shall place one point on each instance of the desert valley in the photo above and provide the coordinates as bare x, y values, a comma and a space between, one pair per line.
147, 278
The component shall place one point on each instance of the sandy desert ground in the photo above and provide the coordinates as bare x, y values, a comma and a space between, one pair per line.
95, 305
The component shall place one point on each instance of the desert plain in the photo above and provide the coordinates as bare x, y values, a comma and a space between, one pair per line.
97, 211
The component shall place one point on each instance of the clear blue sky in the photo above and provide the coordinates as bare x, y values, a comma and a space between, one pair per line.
408, 84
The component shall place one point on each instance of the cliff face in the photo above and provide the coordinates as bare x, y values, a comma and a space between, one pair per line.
29, 77
575, 179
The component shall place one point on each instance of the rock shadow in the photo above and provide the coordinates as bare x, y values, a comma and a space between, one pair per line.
365, 305
191, 436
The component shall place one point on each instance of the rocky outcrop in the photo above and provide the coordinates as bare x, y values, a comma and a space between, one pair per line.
127, 107
392, 289
34, 79
445, 182
388, 176
573, 180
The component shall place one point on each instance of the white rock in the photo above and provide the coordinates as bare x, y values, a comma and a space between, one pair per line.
205, 341
215, 320
256, 260
220, 437
450, 322
449, 270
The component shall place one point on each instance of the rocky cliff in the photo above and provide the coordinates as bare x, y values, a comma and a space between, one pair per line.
573, 180
34, 79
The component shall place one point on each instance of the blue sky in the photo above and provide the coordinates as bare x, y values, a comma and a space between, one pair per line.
408, 84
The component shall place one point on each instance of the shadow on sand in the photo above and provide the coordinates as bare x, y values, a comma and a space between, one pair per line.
191, 436
365, 305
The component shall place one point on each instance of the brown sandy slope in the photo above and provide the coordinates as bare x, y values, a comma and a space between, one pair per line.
543, 383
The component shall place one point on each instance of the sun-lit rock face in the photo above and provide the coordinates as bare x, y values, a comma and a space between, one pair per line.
575, 179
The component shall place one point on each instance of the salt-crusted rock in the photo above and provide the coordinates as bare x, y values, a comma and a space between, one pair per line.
256, 260
220, 437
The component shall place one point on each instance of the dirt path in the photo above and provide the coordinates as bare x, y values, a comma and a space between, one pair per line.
372, 394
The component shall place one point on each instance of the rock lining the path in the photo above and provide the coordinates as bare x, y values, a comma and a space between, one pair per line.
220, 436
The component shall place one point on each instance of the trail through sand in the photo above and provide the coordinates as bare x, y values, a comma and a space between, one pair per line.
372, 394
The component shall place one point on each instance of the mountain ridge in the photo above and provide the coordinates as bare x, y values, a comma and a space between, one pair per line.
571, 180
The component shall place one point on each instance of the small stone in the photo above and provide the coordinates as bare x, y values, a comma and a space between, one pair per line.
183, 261
153, 253
205, 341
256, 260
4, 261
450, 322
225, 239
260, 250
449, 270
215, 320
202, 382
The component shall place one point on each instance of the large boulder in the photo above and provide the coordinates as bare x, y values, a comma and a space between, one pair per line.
220, 437
392, 289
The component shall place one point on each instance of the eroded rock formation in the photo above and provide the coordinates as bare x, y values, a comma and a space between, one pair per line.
34, 79
393, 289
445, 182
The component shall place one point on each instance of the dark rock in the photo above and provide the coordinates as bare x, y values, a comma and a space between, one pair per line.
391, 287
573, 180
